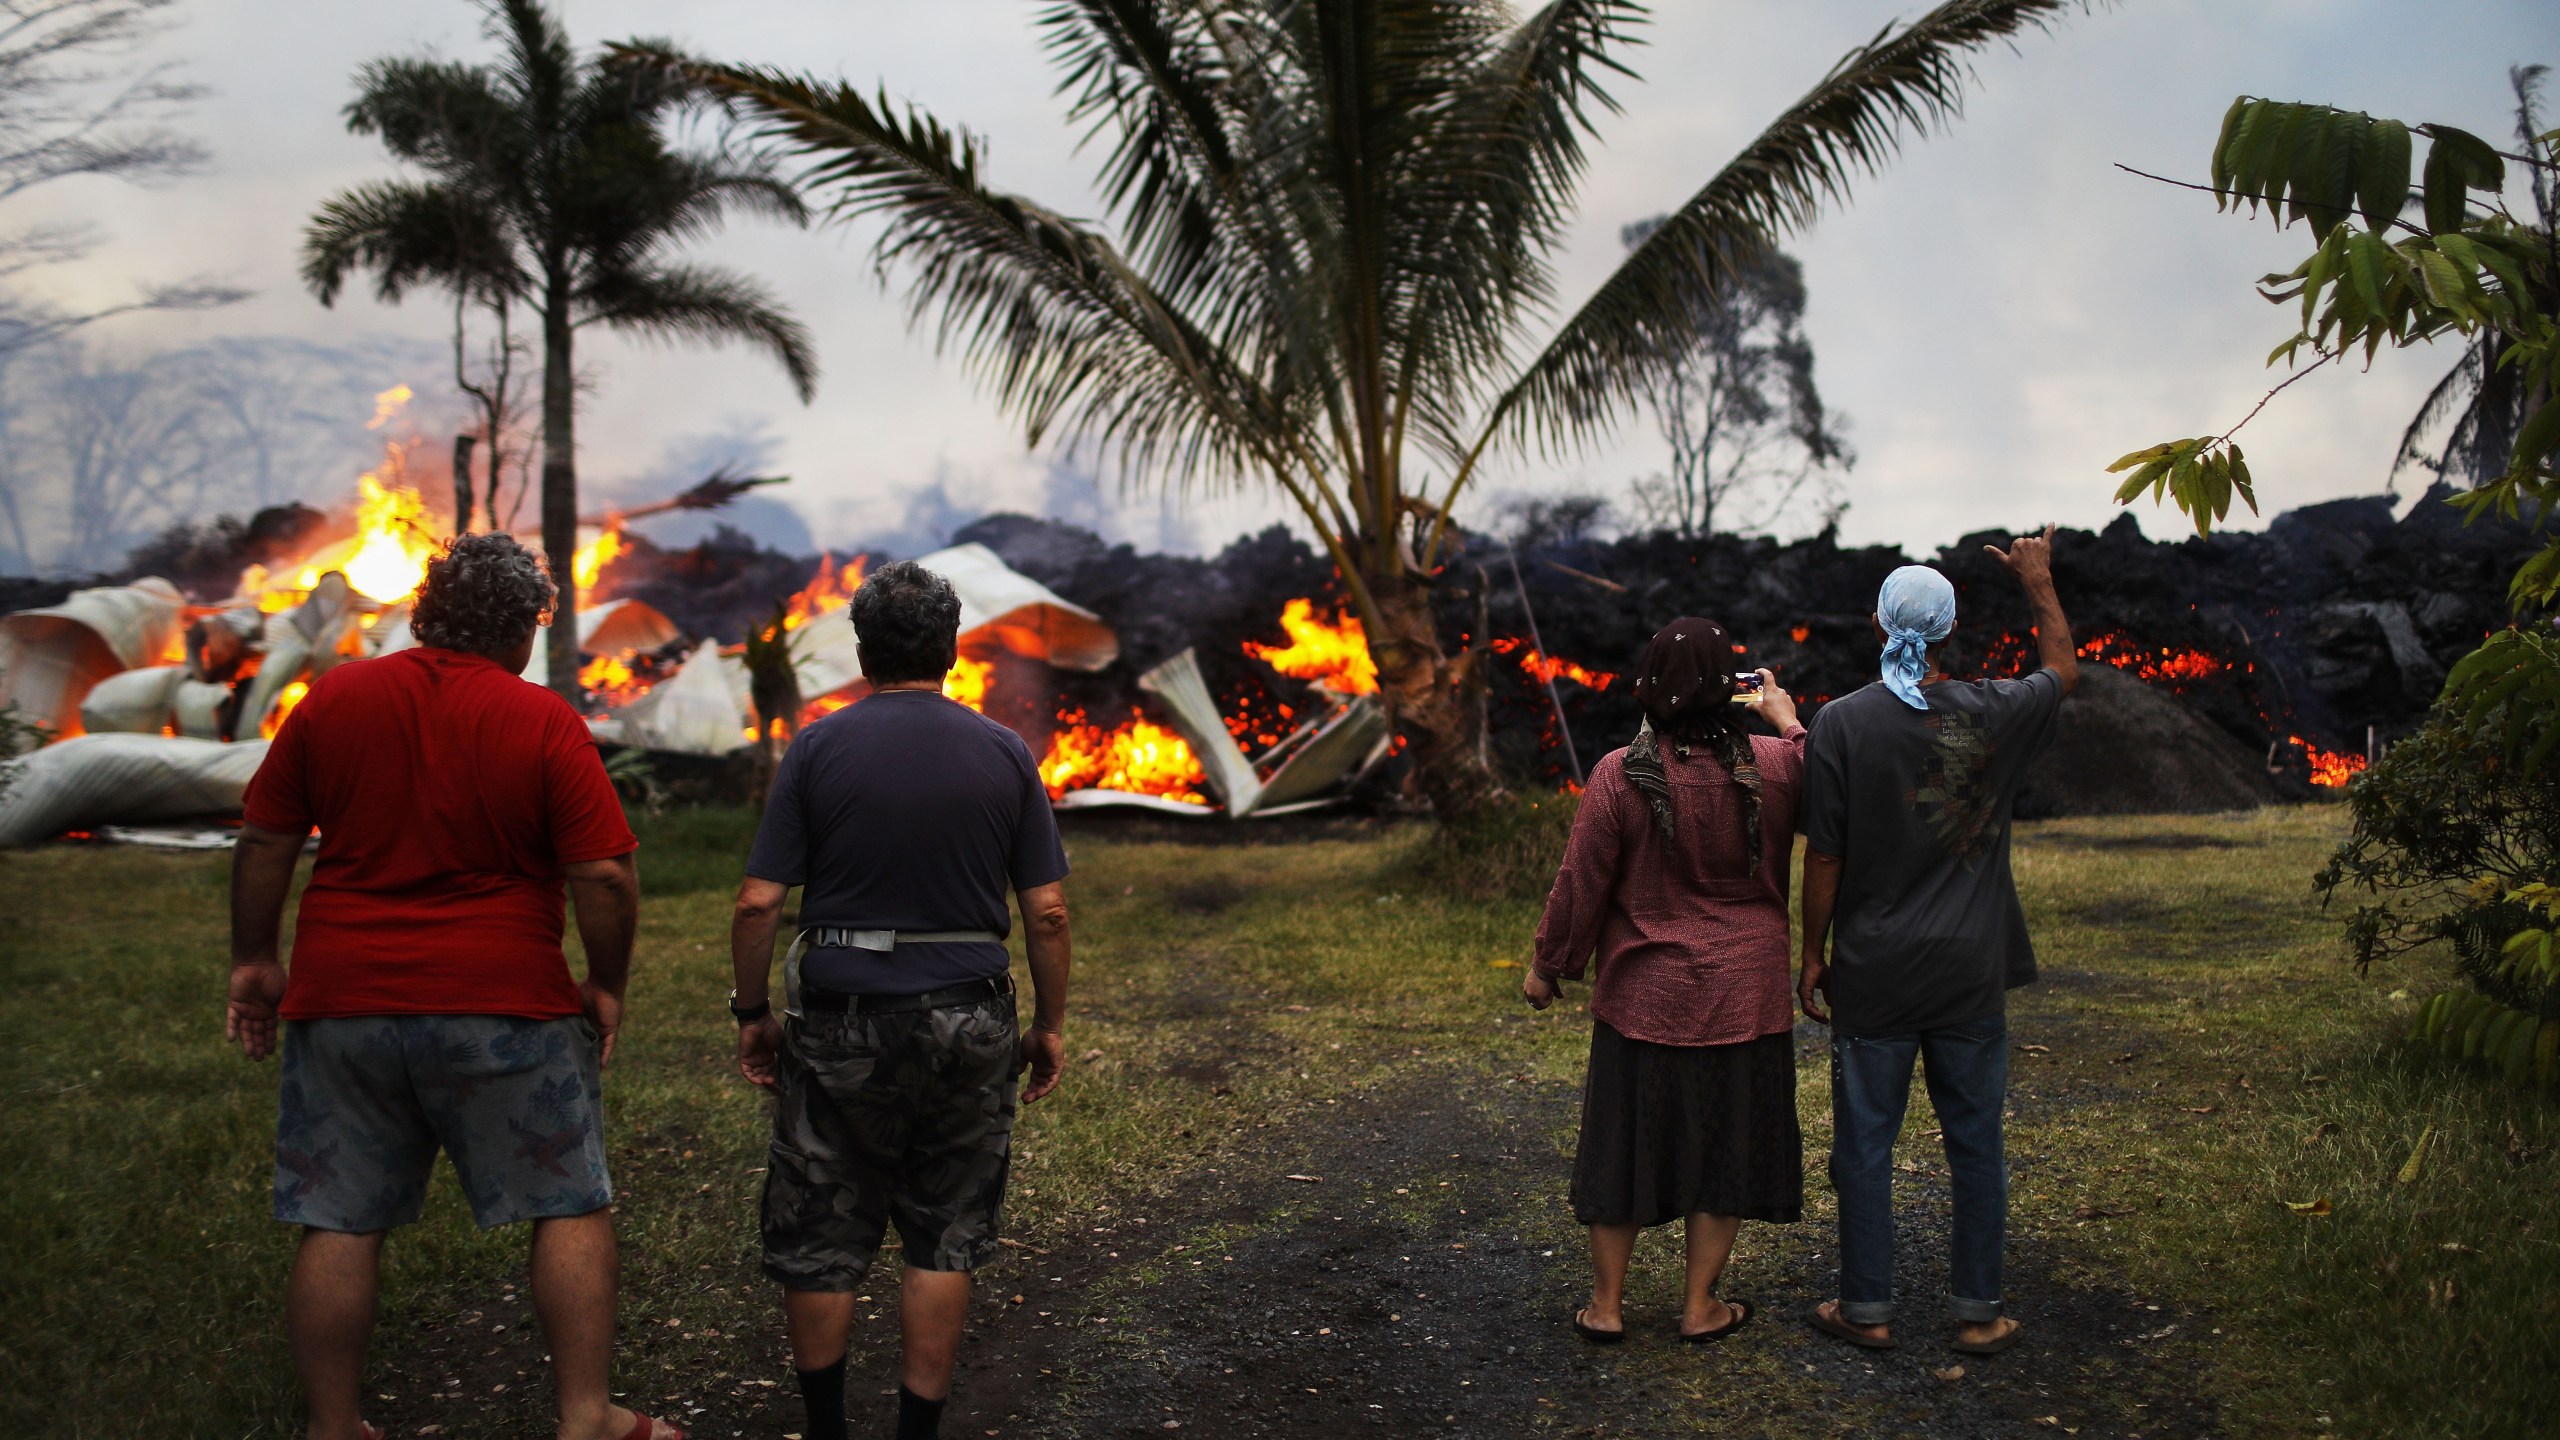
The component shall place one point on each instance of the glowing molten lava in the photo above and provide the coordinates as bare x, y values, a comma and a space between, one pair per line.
592, 557
1334, 654
286, 699
1140, 756
2159, 666
825, 591
1547, 669
2330, 769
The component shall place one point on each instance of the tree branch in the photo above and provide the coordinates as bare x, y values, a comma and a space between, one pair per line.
2326, 356
2235, 194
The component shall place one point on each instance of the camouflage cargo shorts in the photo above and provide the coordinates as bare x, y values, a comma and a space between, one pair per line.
365, 1103
904, 1118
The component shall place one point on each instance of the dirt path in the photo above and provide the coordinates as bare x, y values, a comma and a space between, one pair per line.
1420, 1284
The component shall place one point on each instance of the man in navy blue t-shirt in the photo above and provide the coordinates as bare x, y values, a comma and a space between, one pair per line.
906, 819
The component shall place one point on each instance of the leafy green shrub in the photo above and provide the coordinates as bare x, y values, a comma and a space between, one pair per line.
1506, 851
2454, 843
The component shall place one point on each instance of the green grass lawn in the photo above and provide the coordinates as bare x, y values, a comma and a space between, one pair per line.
2207, 1063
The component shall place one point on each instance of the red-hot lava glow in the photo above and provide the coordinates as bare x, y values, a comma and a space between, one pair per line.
1547, 669
2330, 769
1139, 756
1334, 654
2162, 665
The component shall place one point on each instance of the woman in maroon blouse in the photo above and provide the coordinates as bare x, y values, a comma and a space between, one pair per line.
1675, 881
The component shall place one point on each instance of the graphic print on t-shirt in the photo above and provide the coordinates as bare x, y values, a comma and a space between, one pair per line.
1952, 798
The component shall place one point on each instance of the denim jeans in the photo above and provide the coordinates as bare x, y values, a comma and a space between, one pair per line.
1967, 1069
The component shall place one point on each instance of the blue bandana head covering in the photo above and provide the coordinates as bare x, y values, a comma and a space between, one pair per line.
1916, 607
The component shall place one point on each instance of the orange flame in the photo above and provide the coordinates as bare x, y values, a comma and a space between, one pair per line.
1140, 756
286, 699
393, 540
613, 681
1333, 654
1547, 669
967, 682
592, 557
387, 405
826, 590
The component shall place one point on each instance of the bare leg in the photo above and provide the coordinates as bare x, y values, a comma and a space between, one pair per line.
1710, 1245
328, 1319
820, 1322
1612, 1246
932, 1304
576, 1270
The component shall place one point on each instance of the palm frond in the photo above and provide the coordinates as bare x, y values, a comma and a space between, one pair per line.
1045, 310
447, 118
1507, 151
411, 234
2457, 392
1151, 76
696, 302
1907, 81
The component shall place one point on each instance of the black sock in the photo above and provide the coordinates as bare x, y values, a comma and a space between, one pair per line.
918, 1418
822, 1392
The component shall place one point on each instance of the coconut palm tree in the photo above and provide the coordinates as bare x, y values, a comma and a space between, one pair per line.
2481, 403
1335, 226
549, 184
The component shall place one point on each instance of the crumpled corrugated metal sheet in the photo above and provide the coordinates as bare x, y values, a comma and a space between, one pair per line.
50, 657
93, 780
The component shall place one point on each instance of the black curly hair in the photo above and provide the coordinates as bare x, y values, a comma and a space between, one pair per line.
907, 620
484, 594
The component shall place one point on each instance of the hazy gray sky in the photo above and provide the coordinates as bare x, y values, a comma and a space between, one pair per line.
2000, 313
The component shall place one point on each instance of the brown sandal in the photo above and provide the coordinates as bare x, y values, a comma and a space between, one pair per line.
1839, 1329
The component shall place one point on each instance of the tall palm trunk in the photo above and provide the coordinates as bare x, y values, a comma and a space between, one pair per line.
560, 489
1430, 698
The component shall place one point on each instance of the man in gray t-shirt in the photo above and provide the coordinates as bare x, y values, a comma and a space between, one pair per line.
1908, 789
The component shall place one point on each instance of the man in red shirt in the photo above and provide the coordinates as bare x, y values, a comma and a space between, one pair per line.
429, 1006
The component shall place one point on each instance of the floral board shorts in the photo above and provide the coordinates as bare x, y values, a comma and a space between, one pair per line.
903, 1117
367, 1101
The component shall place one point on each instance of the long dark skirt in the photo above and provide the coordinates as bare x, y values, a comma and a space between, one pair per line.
1670, 1131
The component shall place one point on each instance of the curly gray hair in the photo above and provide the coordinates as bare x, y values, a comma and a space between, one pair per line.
907, 621
484, 594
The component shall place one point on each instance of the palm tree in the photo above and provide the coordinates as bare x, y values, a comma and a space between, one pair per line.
1336, 221
549, 184
2480, 403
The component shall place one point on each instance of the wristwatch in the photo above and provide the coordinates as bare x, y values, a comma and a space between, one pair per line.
749, 1014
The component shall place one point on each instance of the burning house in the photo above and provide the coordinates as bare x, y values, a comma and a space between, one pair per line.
2227, 672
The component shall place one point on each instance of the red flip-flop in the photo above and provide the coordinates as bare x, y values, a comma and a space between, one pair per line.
644, 1428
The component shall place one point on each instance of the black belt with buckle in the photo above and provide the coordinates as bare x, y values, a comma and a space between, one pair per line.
969, 992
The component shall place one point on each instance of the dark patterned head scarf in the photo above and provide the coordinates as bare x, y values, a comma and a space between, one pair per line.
1684, 686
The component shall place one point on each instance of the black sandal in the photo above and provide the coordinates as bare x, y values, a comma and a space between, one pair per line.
1742, 1311
1595, 1336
